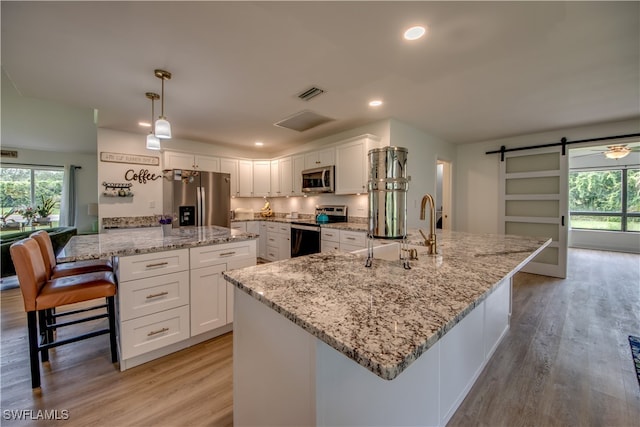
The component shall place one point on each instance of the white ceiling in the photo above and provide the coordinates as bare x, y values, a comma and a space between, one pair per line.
485, 70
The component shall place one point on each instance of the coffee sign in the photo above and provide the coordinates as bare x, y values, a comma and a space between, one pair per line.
141, 176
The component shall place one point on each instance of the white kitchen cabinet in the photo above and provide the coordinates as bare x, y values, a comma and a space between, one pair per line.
253, 227
297, 165
261, 178
153, 307
239, 225
175, 160
343, 240
352, 164
211, 295
230, 166
285, 176
274, 178
208, 299
245, 178
170, 300
316, 159
262, 242
278, 241
329, 240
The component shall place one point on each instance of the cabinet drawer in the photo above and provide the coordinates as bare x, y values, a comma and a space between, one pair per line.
353, 238
330, 246
345, 247
211, 255
272, 227
240, 226
273, 254
272, 239
155, 264
330, 235
154, 294
284, 228
148, 333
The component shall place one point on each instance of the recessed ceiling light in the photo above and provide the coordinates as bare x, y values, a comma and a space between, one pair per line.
145, 124
259, 143
414, 33
375, 103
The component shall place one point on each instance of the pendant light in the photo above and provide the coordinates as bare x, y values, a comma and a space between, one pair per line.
153, 143
163, 127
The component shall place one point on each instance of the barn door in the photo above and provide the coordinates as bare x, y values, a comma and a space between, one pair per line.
534, 203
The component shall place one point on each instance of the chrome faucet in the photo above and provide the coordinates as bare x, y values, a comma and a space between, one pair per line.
430, 241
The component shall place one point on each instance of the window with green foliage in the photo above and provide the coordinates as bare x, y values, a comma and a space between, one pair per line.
24, 187
605, 199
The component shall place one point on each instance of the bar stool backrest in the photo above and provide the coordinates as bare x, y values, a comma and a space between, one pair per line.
30, 268
46, 248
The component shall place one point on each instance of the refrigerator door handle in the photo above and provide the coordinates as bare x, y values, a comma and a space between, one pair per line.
203, 205
198, 206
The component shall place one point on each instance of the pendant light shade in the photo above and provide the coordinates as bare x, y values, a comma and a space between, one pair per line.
162, 126
153, 143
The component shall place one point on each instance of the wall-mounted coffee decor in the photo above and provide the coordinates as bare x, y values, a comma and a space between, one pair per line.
141, 176
136, 159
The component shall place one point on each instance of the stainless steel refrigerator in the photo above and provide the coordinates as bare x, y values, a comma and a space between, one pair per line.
197, 198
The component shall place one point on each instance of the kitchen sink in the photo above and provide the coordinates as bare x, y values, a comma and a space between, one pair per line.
391, 251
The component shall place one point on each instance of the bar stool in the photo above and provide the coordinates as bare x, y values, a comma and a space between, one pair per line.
56, 270
41, 296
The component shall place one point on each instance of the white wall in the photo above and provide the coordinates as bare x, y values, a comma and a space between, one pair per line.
477, 174
47, 133
147, 198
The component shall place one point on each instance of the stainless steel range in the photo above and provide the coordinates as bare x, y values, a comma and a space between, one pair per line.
305, 234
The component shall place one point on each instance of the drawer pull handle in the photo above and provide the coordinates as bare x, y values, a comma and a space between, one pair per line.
228, 253
159, 331
350, 238
157, 264
159, 294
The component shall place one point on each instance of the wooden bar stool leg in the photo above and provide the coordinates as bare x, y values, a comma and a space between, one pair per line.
32, 326
111, 309
44, 334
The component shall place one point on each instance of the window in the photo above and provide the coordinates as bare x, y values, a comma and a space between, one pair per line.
22, 187
606, 199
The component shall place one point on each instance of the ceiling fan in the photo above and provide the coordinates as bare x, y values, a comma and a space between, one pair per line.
615, 152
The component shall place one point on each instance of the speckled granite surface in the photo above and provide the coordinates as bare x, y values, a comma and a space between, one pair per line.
385, 317
146, 240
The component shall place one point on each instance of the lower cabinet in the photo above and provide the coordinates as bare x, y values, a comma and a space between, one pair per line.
171, 300
343, 240
278, 241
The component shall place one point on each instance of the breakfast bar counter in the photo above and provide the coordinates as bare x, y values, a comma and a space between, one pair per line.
132, 241
303, 326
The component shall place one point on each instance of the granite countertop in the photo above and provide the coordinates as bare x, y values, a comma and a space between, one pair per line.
132, 241
384, 317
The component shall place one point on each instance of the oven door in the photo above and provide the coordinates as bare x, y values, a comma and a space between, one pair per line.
305, 240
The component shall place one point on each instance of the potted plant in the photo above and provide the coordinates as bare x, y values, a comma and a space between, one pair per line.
28, 213
45, 207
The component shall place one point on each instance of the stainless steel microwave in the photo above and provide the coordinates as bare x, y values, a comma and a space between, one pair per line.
318, 180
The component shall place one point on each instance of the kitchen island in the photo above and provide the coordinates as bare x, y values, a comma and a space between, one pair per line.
324, 340
171, 294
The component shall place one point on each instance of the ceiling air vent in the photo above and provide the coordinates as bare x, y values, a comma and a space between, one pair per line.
304, 120
310, 93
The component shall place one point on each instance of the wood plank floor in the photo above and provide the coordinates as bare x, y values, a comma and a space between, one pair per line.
565, 362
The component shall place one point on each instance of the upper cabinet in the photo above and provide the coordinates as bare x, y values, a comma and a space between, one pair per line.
283, 177
297, 166
352, 164
261, 178
174, 160
230, 166
316, 159
245, 178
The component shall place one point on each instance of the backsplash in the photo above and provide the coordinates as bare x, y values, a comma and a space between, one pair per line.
130, 222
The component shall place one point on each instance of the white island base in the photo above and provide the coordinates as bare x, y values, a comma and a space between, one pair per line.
285, 376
